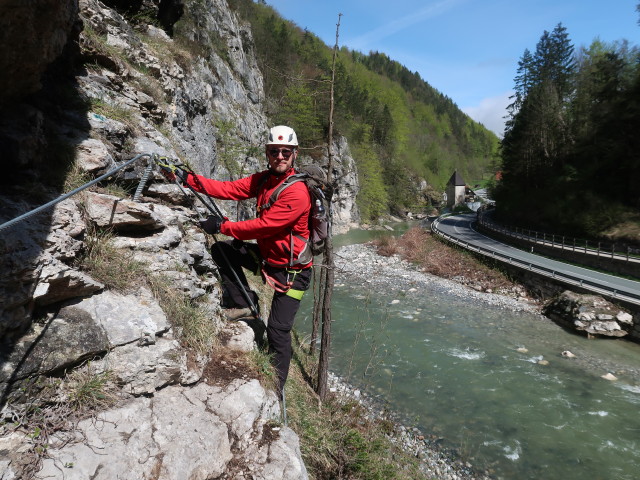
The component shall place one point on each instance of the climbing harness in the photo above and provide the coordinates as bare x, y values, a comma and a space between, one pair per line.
284, 287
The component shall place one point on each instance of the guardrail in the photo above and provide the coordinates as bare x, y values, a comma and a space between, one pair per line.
562, 242
568, 279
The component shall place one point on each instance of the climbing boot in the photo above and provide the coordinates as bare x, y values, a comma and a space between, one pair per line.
237, 313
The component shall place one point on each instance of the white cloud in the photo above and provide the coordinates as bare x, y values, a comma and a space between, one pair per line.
364, 41
491, 112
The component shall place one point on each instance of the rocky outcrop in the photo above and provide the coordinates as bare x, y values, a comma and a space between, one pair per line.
199, 433
145, 94
36, 262
134, 90
345, 213
175, 416
590, 314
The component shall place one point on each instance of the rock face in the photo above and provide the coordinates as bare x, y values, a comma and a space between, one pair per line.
180, 434
32, 35
590, 314
142, 93
171, 421
345, 214
36, 262
129, 89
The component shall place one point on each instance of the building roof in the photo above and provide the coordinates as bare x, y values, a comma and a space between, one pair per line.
456, 179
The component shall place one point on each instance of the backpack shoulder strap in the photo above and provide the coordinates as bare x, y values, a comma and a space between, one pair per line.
290, 180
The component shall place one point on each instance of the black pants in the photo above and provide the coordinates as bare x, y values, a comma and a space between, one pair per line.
283, 306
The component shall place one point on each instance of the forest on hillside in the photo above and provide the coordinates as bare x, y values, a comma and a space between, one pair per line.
402, 132
571, 150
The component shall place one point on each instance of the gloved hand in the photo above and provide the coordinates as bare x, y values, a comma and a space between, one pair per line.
212, 224
182, 174
171, 171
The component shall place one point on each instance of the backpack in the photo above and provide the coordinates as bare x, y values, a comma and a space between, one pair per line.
320, 192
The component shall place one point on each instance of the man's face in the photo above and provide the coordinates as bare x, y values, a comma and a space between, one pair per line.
281, 158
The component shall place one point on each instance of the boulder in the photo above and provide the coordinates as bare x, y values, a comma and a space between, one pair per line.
92, 156
125, 318
58, 282
163, 240
168, 436
588, 313
170, 193
238, 336
148, 365
63, 341
198, 432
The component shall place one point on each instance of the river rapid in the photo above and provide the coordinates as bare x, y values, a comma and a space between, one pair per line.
481, 374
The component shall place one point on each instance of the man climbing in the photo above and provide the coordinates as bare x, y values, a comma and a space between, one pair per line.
281, 231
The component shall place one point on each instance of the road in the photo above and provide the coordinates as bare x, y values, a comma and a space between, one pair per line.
459, 228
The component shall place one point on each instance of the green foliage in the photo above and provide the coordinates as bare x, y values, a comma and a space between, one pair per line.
571, 152
402, 125
230, 149
373, 196
299, 110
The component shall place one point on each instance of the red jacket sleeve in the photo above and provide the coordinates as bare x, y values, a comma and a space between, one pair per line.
233, 190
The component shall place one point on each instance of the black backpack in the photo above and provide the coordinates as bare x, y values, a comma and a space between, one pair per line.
320, 192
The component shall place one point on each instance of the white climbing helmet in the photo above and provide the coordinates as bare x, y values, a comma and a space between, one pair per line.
282, 135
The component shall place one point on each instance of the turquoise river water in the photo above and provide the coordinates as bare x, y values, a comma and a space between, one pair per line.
470, 374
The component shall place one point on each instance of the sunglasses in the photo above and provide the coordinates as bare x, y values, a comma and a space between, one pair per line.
286, 152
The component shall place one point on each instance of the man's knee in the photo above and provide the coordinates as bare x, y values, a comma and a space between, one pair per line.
278, 339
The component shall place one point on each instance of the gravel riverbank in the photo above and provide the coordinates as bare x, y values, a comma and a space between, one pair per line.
435, 462
360, 263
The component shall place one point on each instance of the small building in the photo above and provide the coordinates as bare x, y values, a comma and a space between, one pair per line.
455, 191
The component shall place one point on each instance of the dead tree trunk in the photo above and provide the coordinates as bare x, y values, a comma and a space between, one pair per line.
327, 273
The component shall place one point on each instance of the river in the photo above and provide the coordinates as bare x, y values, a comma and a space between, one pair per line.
489, 381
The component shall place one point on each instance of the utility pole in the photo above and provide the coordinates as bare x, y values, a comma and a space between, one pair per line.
327, 273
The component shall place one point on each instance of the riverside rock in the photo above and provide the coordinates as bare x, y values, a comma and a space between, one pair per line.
588, 313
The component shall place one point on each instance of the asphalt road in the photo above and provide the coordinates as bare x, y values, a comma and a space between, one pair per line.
460, 228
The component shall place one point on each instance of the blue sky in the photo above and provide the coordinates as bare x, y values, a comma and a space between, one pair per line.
466, 49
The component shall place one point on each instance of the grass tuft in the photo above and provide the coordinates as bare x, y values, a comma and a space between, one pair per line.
115, 268
119, 271
337, 437
191, 322
89, 391
56, 407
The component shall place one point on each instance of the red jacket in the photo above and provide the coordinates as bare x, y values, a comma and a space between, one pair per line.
276, 228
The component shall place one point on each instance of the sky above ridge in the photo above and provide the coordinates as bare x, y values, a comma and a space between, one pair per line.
466, 49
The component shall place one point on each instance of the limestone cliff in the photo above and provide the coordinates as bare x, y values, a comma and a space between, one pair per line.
86, 86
